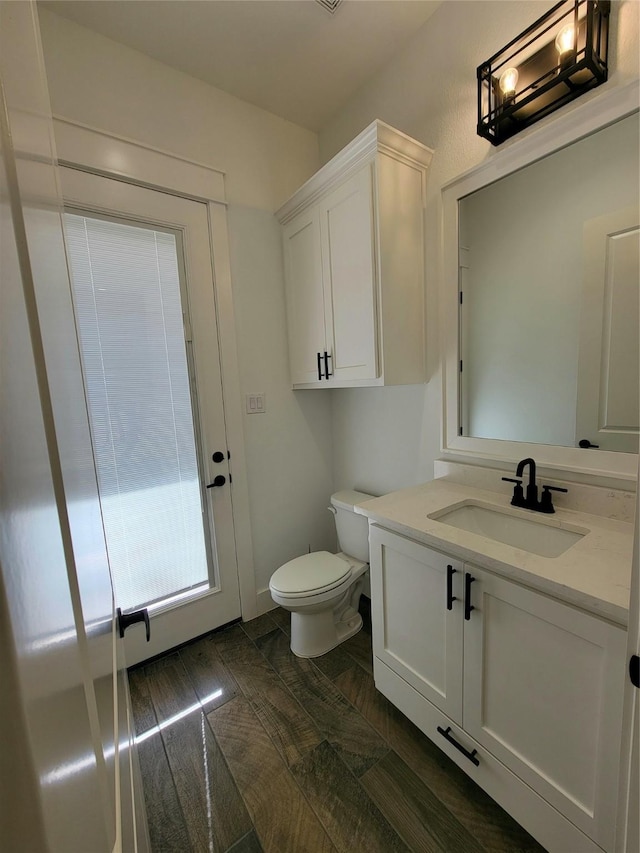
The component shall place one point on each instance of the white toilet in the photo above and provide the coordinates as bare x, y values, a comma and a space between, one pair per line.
322, 590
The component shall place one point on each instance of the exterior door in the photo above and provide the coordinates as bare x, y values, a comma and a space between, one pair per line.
145, 313
66, 723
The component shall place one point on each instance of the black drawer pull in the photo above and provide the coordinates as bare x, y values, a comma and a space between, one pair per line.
468, 607
450, 596
470, 755
327, 356
319, 366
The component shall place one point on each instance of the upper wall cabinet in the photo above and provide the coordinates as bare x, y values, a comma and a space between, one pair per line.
354, 265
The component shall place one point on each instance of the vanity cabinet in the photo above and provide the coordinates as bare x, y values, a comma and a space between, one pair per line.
353, 242
524, 692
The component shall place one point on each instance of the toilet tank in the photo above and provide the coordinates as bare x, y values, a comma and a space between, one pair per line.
353, 529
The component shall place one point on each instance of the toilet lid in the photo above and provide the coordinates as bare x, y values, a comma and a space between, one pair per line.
313, 572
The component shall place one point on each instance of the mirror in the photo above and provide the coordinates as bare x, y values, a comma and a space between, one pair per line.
549, 276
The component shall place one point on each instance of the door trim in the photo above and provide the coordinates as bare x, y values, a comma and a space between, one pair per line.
96, 151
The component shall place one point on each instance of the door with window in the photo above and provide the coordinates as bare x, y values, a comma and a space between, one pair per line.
144, 304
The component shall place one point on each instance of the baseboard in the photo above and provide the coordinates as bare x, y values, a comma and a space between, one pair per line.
264, 602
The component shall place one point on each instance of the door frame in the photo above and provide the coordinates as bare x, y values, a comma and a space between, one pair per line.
90, 149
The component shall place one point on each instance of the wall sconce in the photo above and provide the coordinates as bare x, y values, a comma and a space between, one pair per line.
560, 56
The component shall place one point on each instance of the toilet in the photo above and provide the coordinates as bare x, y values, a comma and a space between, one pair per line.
322, 590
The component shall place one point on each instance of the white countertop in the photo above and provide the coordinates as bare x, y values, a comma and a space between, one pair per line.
593, 574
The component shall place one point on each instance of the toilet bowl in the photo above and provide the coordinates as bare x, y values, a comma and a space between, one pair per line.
322, 590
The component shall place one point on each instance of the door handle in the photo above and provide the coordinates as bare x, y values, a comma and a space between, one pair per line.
218, 480
125, 620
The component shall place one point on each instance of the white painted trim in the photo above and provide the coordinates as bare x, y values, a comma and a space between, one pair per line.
594, 465
80, 146
232, 399
264, 602
99, 152
377, 137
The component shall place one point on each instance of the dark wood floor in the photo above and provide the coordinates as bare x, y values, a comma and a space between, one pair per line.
244, 747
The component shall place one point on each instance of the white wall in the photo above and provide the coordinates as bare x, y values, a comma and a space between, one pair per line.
98, 82
429, 92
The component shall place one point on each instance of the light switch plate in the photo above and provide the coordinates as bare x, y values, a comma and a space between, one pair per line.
256, 404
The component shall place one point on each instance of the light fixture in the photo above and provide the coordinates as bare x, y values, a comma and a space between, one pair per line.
556, 59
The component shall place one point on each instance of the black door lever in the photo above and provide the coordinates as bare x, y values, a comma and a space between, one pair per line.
125, 620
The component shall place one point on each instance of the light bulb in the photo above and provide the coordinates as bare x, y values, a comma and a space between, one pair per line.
565, 40
508, 82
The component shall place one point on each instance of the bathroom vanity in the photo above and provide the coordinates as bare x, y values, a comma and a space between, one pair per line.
511, 660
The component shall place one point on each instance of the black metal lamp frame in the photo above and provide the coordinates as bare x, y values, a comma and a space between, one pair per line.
546, 79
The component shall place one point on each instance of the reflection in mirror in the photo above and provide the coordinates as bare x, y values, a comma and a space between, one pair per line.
549, 276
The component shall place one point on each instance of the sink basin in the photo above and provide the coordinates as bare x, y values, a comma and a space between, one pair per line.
538, 536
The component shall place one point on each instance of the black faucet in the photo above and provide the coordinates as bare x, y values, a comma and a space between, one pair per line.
530, 499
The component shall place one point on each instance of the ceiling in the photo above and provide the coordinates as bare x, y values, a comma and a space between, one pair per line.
291, 57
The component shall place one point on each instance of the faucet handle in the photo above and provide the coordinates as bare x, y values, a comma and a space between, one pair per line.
518, 493
546, 504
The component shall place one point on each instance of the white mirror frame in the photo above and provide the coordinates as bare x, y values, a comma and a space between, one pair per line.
589, 465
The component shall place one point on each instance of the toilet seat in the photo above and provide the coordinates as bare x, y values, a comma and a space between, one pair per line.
311, 574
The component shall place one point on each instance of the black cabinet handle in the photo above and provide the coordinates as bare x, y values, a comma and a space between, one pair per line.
218, 456
450, 596
470, 755
218, 480
468, 607
319, 366
327, 356
125, 620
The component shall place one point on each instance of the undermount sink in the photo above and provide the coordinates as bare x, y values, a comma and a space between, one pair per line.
537, 536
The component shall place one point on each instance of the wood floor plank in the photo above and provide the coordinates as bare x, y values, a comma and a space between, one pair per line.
351, 818
416, 813
493, 828
281, 816
286, 721
282, 618
259, 626
334, 663
359, 647
211, 679
347, 731
248, 844
167, 827
215, 814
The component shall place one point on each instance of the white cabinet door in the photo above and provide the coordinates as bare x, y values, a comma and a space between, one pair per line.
414, 631
348, 272
305, 300
543, 687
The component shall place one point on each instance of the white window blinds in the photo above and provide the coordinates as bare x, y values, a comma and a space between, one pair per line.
128, 308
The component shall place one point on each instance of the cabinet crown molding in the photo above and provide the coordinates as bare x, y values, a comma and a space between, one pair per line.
378, 137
